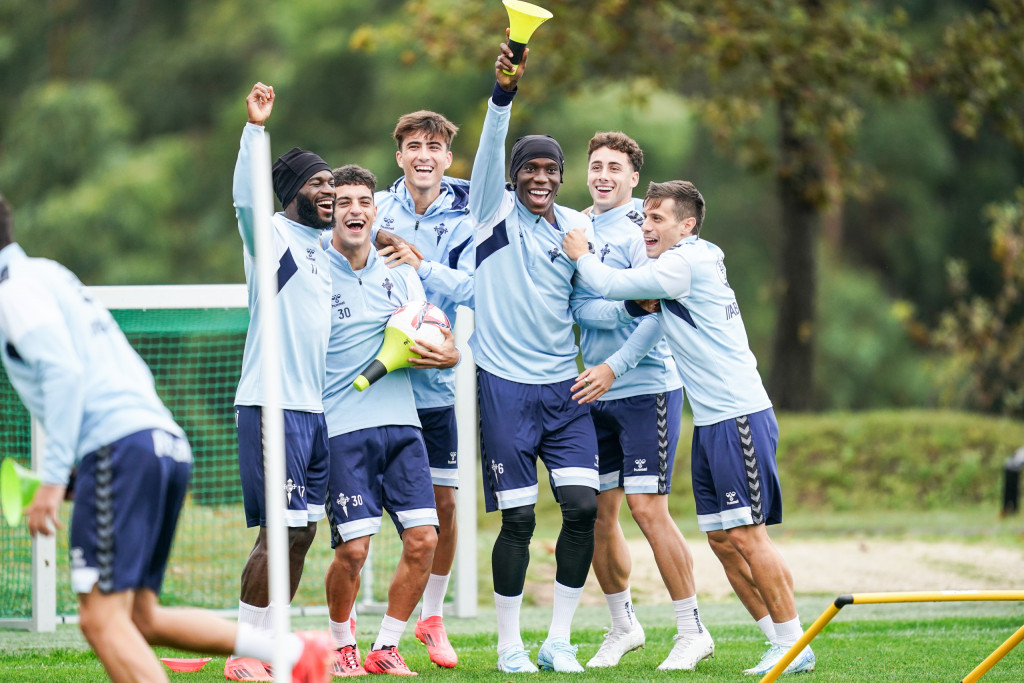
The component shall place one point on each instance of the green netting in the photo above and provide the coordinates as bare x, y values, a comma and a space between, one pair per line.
195, 356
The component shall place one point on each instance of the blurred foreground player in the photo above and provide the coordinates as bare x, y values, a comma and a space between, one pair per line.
735, 434
79, 376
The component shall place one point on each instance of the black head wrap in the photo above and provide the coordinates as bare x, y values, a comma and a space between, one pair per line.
534, 147
291, 171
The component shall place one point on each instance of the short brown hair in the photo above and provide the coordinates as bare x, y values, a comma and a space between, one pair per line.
430, 123
6, 224
689, 203
350, 174
620, 142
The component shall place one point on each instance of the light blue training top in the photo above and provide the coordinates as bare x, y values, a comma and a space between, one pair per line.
361, 305
527, 292
444, 235
702, 322
72, 366
304, 299
638, 353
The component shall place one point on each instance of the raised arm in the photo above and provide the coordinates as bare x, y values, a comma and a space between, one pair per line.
259, 105
487, 181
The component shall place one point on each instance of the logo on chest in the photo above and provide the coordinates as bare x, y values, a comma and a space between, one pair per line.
553, 254
604, 252
311, 257
440, 231
388, 286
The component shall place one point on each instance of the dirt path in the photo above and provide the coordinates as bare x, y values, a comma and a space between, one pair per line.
834, 567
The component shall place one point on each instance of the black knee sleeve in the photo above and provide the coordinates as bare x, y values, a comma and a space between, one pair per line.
511, 554
575, 549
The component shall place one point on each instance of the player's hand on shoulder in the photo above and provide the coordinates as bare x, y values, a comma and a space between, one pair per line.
436, 356
399, 254
260, 103
503, 66
575, 243
386, 238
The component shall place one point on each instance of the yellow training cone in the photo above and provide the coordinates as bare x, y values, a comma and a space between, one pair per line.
523, 20
17, 489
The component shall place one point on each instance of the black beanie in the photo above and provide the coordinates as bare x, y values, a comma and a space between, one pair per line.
534, 147
291, 171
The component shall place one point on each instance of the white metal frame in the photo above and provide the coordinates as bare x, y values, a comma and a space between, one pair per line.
148, 297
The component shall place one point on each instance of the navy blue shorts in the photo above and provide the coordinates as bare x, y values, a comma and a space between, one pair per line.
636, 441
127, 499
521, 422
735, 477
441, 436
377, 469
305, 461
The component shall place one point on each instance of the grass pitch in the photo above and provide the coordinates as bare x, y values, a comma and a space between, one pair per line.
911, 642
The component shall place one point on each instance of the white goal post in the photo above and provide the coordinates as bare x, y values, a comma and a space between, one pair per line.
463, 592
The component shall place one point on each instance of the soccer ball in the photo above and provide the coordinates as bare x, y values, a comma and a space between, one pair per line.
421, 320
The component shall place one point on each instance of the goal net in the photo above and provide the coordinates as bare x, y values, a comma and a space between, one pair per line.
192, 338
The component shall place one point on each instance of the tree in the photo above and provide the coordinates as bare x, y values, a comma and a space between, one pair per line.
779, 84
981, 69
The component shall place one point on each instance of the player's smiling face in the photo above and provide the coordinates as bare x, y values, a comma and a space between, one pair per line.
537, 185
610, 178
315, 201
662, 228
354, 213
423, 160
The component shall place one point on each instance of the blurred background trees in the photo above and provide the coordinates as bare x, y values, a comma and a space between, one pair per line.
848, 150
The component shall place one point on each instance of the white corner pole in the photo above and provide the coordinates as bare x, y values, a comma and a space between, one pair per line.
469, 464
273, 419
44, 555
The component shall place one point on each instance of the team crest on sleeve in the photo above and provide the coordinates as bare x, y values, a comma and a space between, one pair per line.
440, 231
388, 286
720, 266
553, 254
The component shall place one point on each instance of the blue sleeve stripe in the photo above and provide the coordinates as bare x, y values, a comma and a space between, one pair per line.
454, 254
285, 269
497, 240
678, 310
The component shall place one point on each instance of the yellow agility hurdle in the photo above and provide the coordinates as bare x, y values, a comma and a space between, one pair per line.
912, 596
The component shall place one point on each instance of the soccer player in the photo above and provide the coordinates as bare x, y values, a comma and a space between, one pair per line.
430, 212
378, 457
305, 187
78, 375
526, 354
735, 477
636, 401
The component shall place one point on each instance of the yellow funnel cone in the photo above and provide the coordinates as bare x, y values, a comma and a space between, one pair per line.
393, 354
523, 20
17, 489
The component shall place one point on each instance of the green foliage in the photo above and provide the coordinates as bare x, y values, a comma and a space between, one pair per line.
982, 69
986, 334
866, 358
61, 132
894, 460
